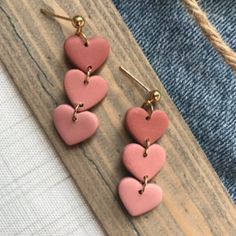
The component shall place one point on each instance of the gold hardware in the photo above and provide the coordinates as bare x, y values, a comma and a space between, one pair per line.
52, 14
135, 79
86, 80
77, 21
146, 146
145, 182
154, 96
76, 111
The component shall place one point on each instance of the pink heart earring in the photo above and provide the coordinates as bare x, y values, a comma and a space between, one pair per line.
145, 159
74, 123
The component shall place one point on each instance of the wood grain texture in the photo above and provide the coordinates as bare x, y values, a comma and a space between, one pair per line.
31, 48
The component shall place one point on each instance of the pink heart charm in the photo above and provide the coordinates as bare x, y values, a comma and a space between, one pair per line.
136, 203
79, 92
93, 55
142, 128
73, 132
140, 166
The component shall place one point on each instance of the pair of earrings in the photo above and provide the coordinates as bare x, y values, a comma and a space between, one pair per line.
143, 159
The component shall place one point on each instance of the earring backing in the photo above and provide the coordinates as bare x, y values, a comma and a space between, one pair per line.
77, 21
154, 96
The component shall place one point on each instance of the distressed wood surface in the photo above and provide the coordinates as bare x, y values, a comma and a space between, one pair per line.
31, 48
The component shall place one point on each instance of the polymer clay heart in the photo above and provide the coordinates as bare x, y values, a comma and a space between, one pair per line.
82, 56
141, 166
79, 92
73, 132
136, 203
143, 128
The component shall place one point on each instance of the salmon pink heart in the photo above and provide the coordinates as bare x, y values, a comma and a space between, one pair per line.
143, 128
140, 165
136, 203
88, 94
84, 56
73, 132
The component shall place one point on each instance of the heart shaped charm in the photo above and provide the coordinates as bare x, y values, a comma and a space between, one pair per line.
143, 128
140, 165
88, 94
136, 203
73, 132
93, 55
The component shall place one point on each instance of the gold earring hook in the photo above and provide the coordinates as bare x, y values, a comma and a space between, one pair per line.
154, 96
77, 21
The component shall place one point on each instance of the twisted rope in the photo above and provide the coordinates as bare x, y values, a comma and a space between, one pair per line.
211, 33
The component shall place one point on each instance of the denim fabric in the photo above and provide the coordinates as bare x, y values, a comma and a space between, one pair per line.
202, 86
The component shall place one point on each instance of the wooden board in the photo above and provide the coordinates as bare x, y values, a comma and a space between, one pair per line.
31, 48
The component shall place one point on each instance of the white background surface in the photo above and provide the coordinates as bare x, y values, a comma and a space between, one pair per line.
37, 195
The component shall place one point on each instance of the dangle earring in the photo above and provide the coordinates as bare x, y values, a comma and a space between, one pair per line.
143, 160
74, 123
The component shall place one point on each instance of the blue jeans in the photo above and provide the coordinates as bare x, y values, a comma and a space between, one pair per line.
196, 77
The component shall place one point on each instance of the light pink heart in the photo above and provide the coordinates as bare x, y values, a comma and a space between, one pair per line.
88, 94
74, 132
93, 55
141, 166
142, 128
136, 203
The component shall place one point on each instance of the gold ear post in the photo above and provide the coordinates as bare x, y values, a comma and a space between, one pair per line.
154, 96
134, 78
77, 21
52, 14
